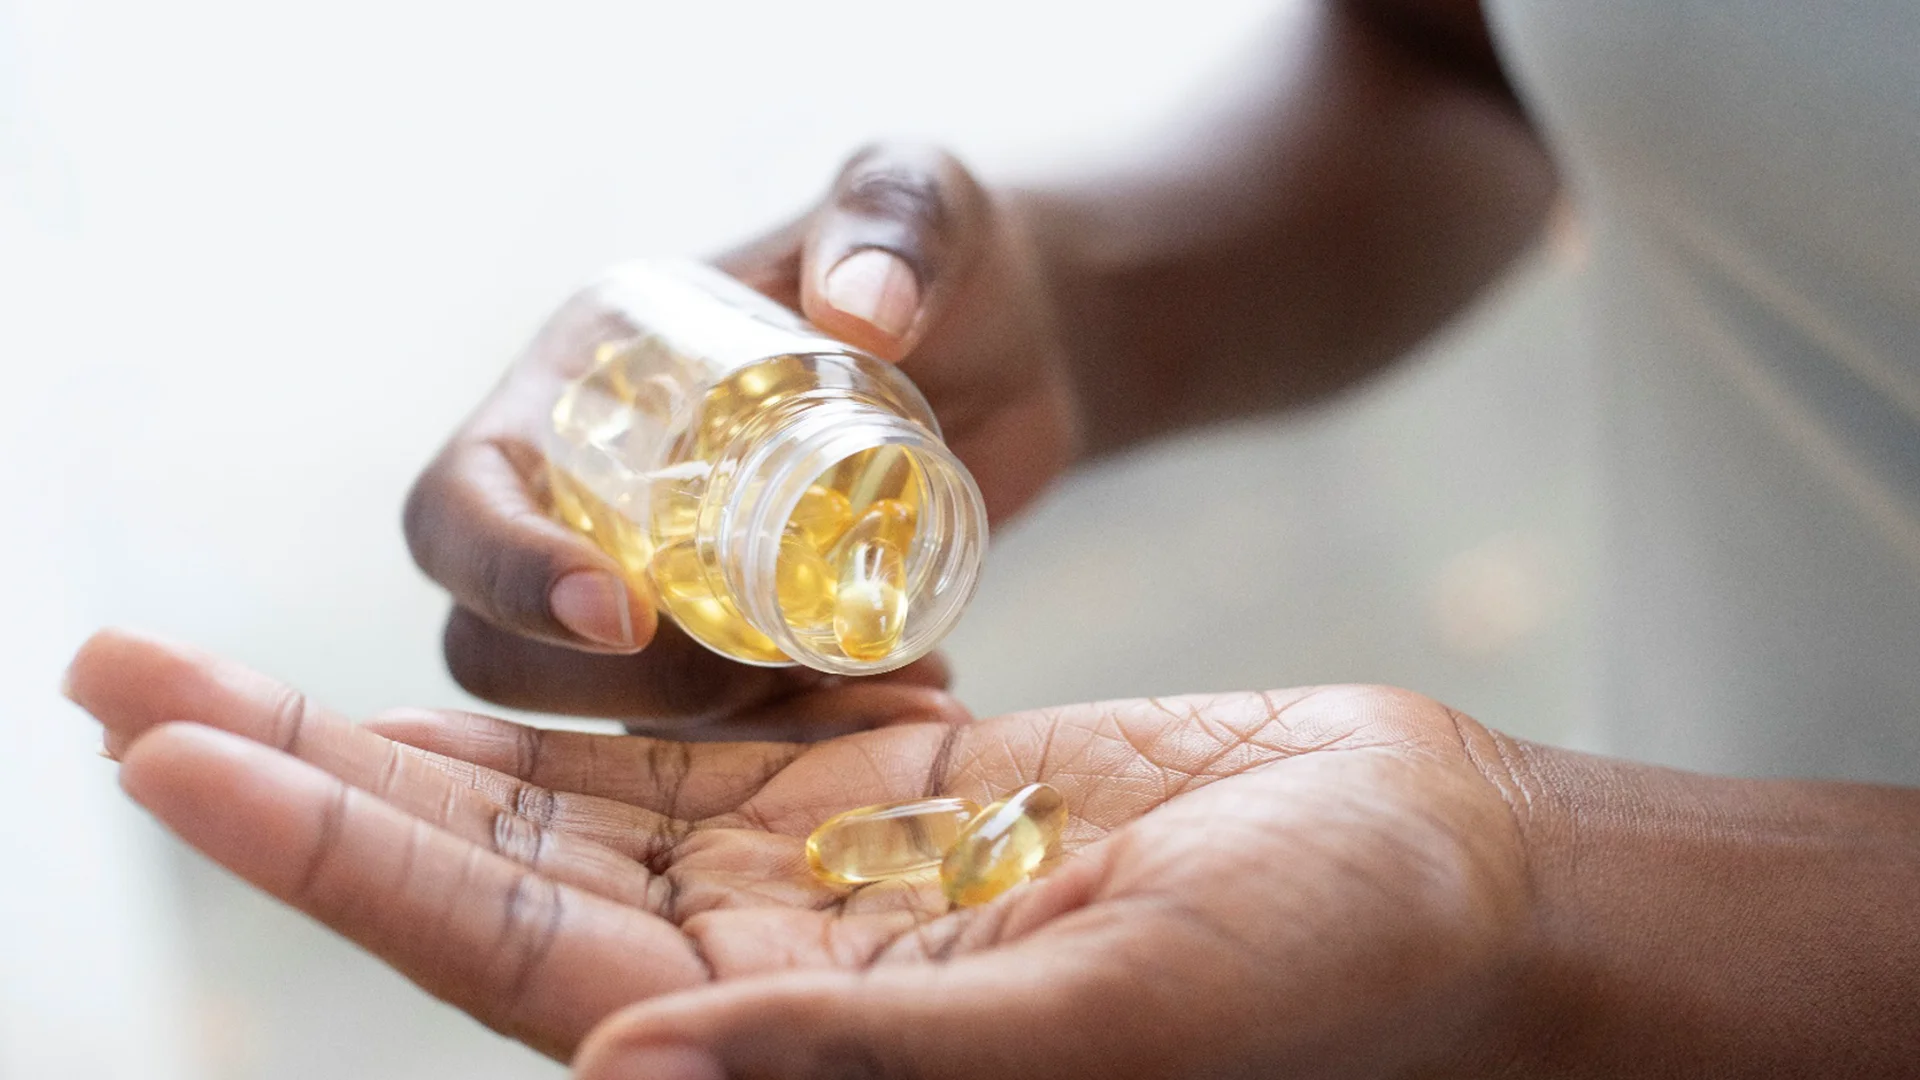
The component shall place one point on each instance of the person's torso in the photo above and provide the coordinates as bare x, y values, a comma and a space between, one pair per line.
1749, 173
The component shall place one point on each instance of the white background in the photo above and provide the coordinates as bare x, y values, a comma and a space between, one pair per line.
257, 258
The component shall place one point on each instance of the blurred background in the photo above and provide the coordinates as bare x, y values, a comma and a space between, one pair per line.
257, 259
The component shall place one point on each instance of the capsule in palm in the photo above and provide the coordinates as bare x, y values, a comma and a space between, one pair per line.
889, 840
1000, 847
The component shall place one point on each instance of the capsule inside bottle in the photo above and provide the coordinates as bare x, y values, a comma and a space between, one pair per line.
1003, 845
877, 842
821, 517
891, 521
806, 582
870, 604
683, 588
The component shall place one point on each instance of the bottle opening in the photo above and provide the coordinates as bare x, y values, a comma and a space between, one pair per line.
854, 539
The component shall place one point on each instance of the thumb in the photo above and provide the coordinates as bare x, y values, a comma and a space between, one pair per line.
987, 1016
901, 224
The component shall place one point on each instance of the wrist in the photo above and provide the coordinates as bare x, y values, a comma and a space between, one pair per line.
1684, 924
1514, 1005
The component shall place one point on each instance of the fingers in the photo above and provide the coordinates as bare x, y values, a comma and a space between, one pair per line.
676, 684
133, 684
675, 679
901, 225
686, 781
529, 957
476, 519
1060, 1011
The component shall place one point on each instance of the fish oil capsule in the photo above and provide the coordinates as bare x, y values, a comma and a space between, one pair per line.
885, 472
806, 582
609, 529
870, 604
822, 516
570, 503
684, 590
889, 520
999, 848
889, 840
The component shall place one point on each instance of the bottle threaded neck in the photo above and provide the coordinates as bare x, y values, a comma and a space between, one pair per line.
806, 440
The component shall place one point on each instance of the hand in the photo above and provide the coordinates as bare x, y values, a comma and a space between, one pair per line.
1321, 881
907, 257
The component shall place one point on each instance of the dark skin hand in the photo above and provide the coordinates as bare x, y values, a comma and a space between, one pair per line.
477, 521
1317, 882
1359, 873
1374, 177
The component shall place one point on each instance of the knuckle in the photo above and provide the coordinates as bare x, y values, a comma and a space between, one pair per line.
516, 838
529, 742
420, 514
326, 848
513, 582
924, 185
535, 804
392, 764
896, 190
474, 523
291, 713
532, 911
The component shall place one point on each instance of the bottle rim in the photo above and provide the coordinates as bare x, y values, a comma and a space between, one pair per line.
949, 547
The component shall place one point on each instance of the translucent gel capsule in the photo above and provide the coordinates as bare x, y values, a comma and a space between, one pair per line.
890, 520
568, 506
1000, 847
675, 501
728, 405
870, 606
609, 529
822, 516
592, 411
620, 369
682, 587
888, 840
805, 581
884, 472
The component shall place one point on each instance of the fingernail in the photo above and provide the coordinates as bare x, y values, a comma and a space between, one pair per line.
593, 605
876, 287
653, 1063
66, 686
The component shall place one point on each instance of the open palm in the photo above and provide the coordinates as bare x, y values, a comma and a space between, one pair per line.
1243, 877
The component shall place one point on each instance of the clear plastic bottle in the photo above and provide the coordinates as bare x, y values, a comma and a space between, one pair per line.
783, 497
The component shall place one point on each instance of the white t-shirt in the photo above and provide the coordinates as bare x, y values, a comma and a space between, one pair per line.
1750, 175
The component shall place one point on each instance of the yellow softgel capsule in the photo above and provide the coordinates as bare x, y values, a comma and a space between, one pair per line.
889, 840
822, 516
999, 848
889, 520
884, 472
870, 604
805, 581
609, 529
682, 587
570, 503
